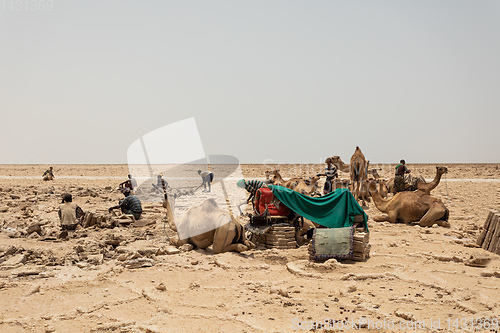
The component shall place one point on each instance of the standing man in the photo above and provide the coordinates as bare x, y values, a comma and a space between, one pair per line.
399, 181
330, 173
130, 205
49, 174
131, 183
207, 178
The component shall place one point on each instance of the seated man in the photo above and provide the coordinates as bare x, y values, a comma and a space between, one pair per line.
130, 205
69, 213
49, 174
161, 185
399, 181
207, 178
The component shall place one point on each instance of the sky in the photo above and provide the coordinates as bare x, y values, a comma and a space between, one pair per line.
265, 81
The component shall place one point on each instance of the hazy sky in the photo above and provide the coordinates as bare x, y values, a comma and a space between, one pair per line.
282, 81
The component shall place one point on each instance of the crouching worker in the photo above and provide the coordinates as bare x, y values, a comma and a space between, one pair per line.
130, 205
69, 213
49, 174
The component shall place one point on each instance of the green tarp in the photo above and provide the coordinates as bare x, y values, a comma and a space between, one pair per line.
334, 210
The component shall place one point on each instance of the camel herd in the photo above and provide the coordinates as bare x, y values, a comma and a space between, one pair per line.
415, 205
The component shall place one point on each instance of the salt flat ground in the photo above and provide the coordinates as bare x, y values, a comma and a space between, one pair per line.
415, 276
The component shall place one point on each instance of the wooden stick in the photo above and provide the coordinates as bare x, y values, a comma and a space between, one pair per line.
489, 218
481, 237
487, 240
495, 238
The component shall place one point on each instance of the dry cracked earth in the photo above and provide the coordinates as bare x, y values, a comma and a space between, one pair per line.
115, 277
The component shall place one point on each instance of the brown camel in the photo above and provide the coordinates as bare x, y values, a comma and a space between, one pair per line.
307, 187
268, 178
290, 183
340, 183
428, 187
418, 183
341, 166
358, 171
224, 233
407, 207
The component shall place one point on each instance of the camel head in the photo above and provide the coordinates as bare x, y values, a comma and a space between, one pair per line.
440, 170
336, 159
372, 187
314, 179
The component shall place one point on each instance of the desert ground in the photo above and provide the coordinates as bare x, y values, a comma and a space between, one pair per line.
122, 279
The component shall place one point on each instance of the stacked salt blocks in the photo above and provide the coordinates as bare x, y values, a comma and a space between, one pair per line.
281, 237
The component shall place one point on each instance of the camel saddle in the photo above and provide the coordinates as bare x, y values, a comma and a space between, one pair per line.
266, 204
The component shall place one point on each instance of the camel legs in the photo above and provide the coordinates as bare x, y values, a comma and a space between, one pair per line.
434, 215
391, 217
356, 190
223, 238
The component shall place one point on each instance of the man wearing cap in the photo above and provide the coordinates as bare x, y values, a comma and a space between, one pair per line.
207, 178
130, 205
69, 213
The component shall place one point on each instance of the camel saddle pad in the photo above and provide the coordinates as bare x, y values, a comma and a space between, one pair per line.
333, 243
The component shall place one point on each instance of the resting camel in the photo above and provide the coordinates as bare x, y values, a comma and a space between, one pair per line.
341, 166
224, 233
305, 188
359, 168
290, 183
428, 187
420, 184
268, 178
407, 207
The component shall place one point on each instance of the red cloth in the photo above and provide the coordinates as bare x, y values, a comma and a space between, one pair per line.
263, 198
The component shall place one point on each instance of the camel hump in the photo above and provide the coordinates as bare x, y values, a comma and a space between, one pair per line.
203, 218
209, 203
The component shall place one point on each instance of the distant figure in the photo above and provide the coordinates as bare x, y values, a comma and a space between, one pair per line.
399, 181
69, 213
161, 184
207, 178
131, 183
330, 173
49, 174
130, 205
